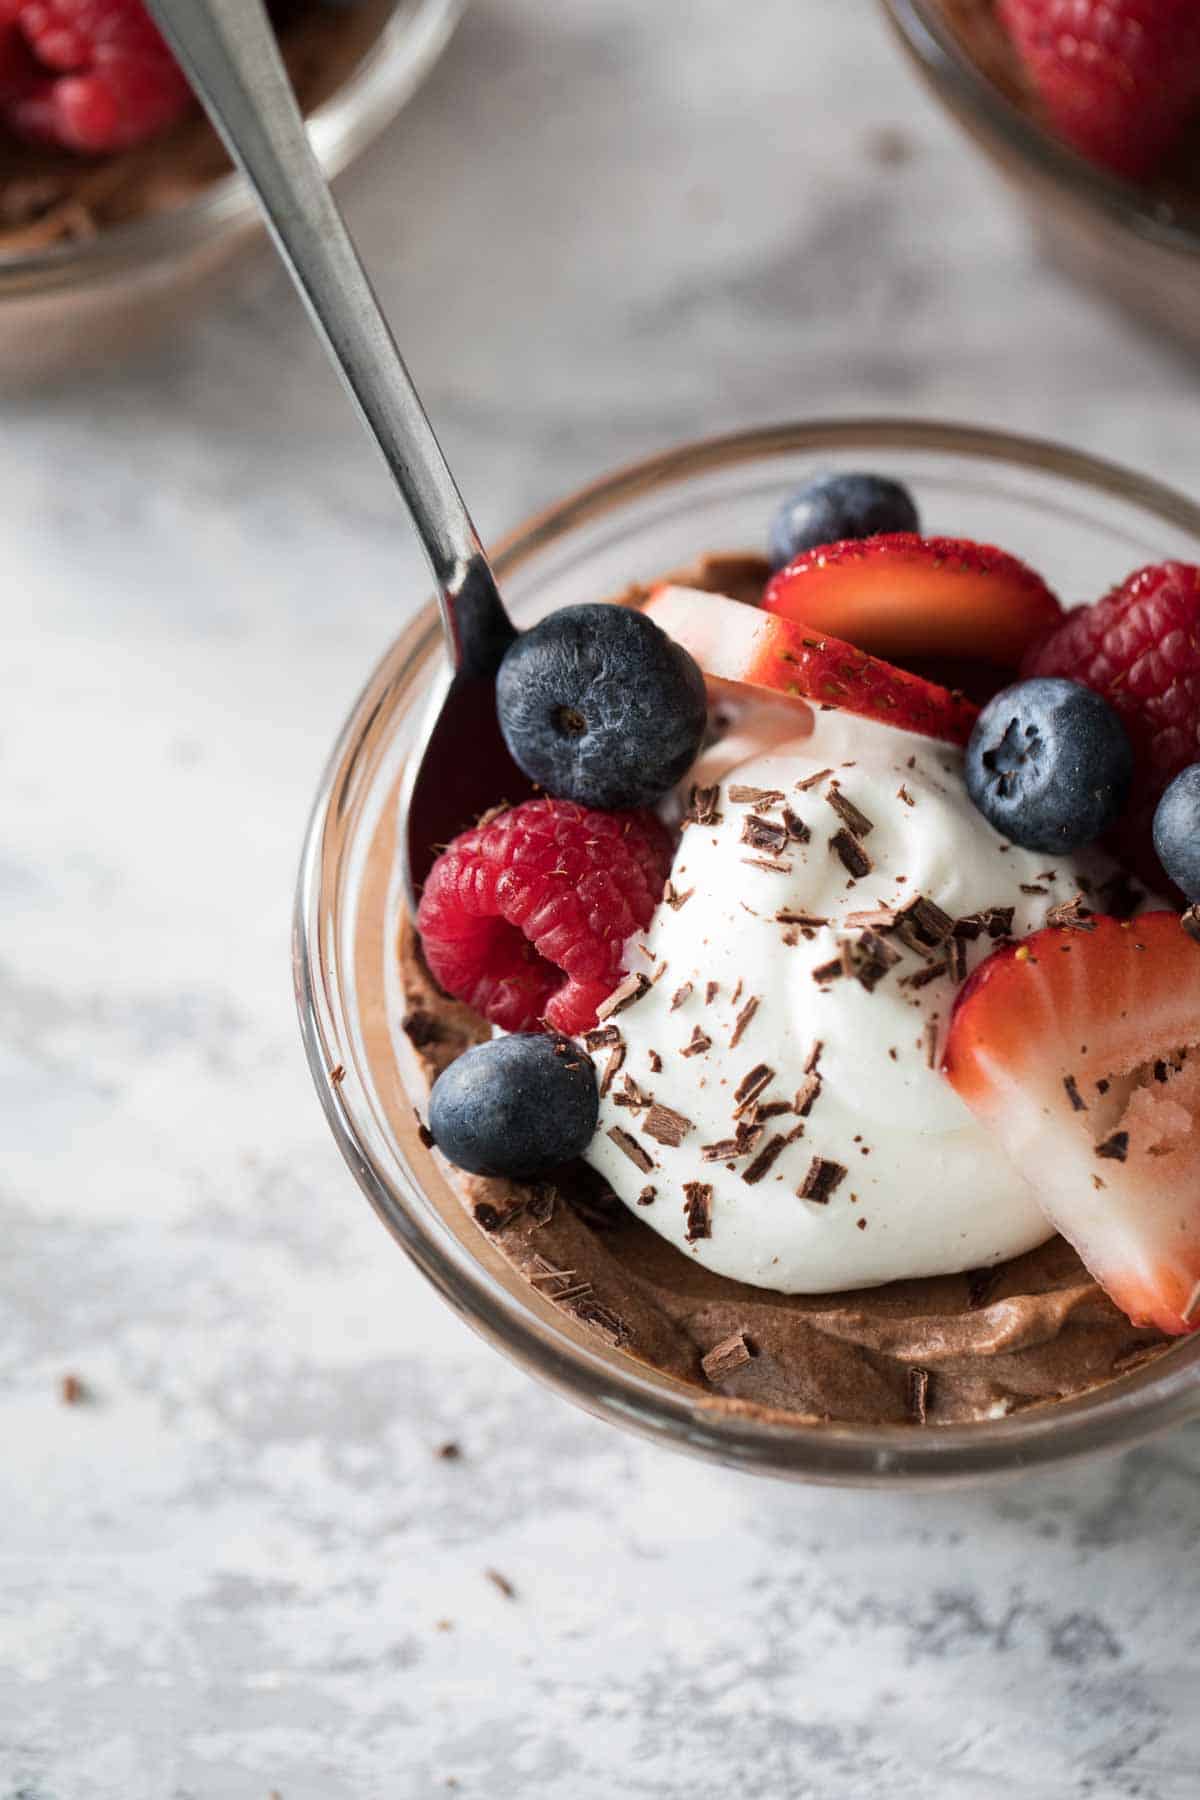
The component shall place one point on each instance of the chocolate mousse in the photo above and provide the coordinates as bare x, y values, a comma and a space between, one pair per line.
49, 196
934, 1350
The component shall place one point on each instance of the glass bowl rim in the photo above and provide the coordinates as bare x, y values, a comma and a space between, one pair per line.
341, 128
935, 48
1115, 1416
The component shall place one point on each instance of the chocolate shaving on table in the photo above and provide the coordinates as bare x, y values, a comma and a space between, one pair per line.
702, 806
764, 1161
918, 1390
680, 996
1190, 920
798, 832
755, 796
851, 816
629, 991
631, 1096
602, 1037
1078, 1103
787, 915
868, 959
811, 781
773, 866
922, 924
822, 1181
1114, 1148
750, 1087
763, 834
674, 898
616, 1057
829, 971
632, 1149
1073, 914
743, 1020
421, 1028
666, 1126
697, 1210
807, 1095
647, 1196
698, 1043
725, 1358
851, 853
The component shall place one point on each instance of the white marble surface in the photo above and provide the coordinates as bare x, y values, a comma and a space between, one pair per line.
240, 1569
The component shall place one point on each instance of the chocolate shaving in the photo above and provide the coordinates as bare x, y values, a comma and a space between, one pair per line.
697, 1210
647, 1196
807, 1095
1073, 914
602, 1037
603, 1319
666, 1126
724, 1150
72, 1391
876, 918
798, 832
829, 971
702, 806
633, 1150
1190, 920
1078, 1103
956, 959
655, 1061
630, 991
681, 996
852, 855
711, 990
868, 959
502, 1583
850, 815
767, 1156
1029, 887
754, 796
773, 866
763, 834
902, 793
742, 1021
750, 1087
725, 1358
421, 1028
822, 1181
922, 924
1114, 1148
424, 1135
812, 1060
616, 1057
773, 1109
674, 898
811, 781
699, 1043
929, 1043
788, 916
922, 977
631, 1096
918, 1390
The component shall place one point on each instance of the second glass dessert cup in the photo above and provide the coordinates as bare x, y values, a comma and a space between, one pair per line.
1081, 522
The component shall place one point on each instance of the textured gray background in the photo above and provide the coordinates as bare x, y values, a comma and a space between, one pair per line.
241, 1569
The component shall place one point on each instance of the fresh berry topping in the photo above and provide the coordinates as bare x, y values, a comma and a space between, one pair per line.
756, 649
906, 597
1118, 78
1049, 765
1077, 1048
1177, 832
95, 76
524, 917
517, 1106
598, 705
1140, 648
833, 507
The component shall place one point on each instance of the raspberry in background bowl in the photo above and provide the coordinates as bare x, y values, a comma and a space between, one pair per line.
1135, 242
99, 254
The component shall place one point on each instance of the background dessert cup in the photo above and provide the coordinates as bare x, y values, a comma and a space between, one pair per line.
1079, 520
1130, 244
83, 301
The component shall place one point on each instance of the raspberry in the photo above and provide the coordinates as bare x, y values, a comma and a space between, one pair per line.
87, 75
525, 916
1118, 78
1140, 648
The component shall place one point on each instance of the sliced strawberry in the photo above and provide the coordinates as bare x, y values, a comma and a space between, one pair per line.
743, 644
905, 597
1080, 1050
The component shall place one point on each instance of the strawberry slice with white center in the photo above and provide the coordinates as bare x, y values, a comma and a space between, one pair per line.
908, 597
1080, 1051
757, 650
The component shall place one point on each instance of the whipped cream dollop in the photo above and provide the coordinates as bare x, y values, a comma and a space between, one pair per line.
771, 1101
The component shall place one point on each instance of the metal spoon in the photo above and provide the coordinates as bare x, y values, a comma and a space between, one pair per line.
228, 50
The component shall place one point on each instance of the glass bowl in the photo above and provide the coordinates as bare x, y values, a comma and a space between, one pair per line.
1082, 522
1126, 243
67, 305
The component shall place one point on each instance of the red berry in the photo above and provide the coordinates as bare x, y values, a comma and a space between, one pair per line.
1140, 648
95, 76
1118, 78
525, 917
1072, 1047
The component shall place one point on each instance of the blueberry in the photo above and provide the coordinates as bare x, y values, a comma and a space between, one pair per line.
515, 1106
598, 705
1177, 831
832, 507
1049, 764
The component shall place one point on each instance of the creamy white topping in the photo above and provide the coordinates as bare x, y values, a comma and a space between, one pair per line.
886, 1175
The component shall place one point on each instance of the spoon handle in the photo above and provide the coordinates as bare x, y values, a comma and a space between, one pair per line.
227, 49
